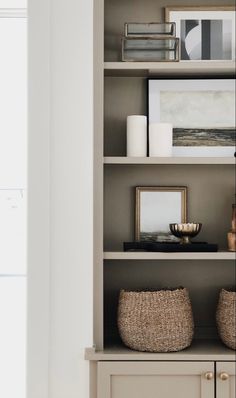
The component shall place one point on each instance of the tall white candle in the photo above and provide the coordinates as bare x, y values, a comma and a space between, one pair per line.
136, 135
160, 139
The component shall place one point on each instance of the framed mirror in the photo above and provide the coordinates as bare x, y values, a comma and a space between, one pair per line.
156, 208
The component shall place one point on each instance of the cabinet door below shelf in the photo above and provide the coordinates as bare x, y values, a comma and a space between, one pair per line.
225, 382
155, 380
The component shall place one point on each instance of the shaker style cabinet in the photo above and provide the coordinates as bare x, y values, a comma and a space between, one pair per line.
225, 379
166, 380
156, 380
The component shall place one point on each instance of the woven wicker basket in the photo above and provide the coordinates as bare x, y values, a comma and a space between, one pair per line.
155, 321
226, 318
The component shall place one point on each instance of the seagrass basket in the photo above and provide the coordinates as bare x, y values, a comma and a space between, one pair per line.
155, 321
226, 318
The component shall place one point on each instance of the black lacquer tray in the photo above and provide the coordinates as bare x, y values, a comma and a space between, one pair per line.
170, 247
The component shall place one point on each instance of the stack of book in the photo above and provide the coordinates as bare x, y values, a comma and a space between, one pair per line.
154, 42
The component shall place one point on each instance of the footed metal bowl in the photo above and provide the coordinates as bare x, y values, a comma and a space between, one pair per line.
185, 231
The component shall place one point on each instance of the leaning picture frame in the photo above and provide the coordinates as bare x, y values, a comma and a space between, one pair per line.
156, 208
202, 112
205, 32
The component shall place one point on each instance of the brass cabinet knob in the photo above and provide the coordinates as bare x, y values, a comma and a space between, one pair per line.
209, 375
224, 376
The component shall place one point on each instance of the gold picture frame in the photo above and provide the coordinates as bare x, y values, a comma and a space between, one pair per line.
149, 226
205, 32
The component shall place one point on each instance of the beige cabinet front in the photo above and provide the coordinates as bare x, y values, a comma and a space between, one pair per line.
225, 380
156, 380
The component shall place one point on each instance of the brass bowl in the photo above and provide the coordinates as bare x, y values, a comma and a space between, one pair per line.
185, 231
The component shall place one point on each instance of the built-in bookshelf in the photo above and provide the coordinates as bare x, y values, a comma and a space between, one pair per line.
120, 90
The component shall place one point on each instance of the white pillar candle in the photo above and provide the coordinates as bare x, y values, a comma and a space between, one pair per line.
160, 139
136, 135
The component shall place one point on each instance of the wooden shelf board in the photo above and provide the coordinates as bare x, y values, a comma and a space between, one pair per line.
155, 68
224, 255
201, 350
169, 160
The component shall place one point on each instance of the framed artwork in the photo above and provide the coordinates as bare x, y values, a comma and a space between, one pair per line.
206, 33
156, 208
202, 112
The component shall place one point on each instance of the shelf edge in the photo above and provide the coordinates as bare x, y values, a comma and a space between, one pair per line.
169, 160
227, 256
152, 68
185, 355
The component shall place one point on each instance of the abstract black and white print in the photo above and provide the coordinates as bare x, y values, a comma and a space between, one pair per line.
206, 39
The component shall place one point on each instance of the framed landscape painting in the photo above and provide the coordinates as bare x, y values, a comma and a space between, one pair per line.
206, 33
202, 112
156, 208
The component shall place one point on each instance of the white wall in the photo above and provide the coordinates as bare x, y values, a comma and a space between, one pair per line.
71, 196
70, 86
39, 130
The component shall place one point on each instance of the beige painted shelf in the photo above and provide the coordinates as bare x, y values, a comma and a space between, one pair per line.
222, 255
200, 350
154, 68
168, 160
